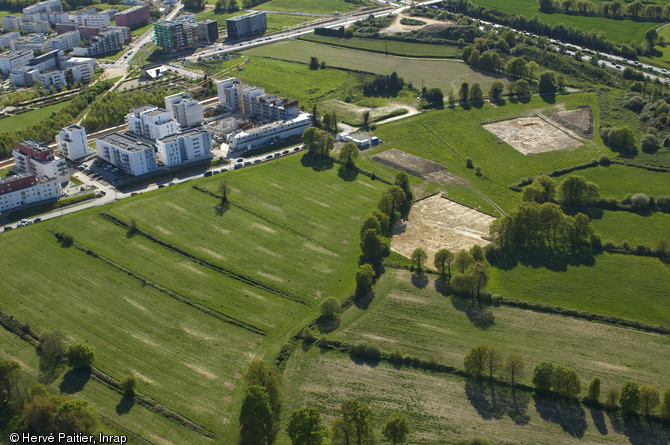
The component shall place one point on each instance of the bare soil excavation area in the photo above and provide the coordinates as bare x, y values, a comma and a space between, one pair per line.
417, 166
437, 223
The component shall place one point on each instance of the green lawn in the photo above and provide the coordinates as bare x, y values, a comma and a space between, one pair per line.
663, 59
276, 22
315, 6
29, 118
626, 286
637, 229
394, 47
445, 74
619, 31
618, 181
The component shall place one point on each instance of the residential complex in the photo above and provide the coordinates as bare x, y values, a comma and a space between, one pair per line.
176, 35
72, 143
92, 18
109, 41
184, 146
187, 111
8, 37
248, 24
52, 69
10, 23
246, 139
208, 31
132, 154
65, 42
11, 60
134, 17
32, 157
26, 188
151, 122
256, 102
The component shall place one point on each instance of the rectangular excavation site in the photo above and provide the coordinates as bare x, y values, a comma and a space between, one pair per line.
532, 135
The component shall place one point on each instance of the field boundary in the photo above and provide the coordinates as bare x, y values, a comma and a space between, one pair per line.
205, 262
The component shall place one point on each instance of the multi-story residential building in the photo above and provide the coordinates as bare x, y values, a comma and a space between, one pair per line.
134, 17
32, 157
132, 154
187, 111
24, 189
11, 23
66, 27
93, 19
68, 61
256, 102
36, 43
36, 26
169, 35
6, 38
72, 143
47, 61
110, 40
55, 78
50, 11
190, 35
65, 42
24, 76
151, 122
248, 24
266, 134
185, 146
208, 31
124, 30
11, 60
80, 72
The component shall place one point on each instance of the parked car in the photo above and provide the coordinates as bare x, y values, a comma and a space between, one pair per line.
247, 163
296, 148
240, 160
285, 152
36, 220
8, 228
160, 186
208, 173
257, 161
236, 166
268, 157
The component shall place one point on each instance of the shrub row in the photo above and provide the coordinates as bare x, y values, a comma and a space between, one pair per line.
609, 246
14, 326
370, 175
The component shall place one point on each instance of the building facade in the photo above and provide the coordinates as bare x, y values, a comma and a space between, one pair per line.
24, 76
269, 133
32, 157
110, 40
65, 42
24, 189
187, 112
256, 103
130, 153
134, 17
97, 20
71, 142
11, 23
8, 37
31, 42
185, 146
37, 26
151, 122
14, 59
208, 31
56, 79
245, 25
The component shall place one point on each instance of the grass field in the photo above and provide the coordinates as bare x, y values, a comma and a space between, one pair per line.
663, 59
619, 31
394, 47
618, 181
444, 408
444, 74
29, 118
276, 22
626, 286
637, 229
315, 6
423, 323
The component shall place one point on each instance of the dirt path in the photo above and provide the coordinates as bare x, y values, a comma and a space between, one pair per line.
396, 26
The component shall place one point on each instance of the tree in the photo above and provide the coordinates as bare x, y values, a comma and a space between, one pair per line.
52, 346
576, 191
419, 257
396, 428
665, 404
358, 416
370, 223
651, 36
522, 88
435, 97
372, 244
476, 93
629, 397
463, 260
223, 190
649, 398
255, 416
516, 67
313, 63
342, 432
475, 361
547, 83
402, 181
496, 90
546, 5
76, 416
384, 220
365, 276
128, 384
515, 367
304, 427
348, 153
309, 138
477, 253
542, 376
493, 361
442, 262
543, 189
593, 392
463, 92
267, 376
80, 356
531, 68
565, 381
611, 398
366, 119
329, 307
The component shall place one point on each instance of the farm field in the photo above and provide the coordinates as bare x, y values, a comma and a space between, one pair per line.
443, 408
637, 229
616, 30
394, 47
641, 293
445, 74
411, 315
618, 181
450, 136
314, 6
29, 118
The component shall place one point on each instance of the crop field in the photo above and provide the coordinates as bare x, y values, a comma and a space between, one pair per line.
626, 286
443, 408
450, 136
29, 118
618, 181
314, 6
394, 47
617, 30
635, 228
445, 74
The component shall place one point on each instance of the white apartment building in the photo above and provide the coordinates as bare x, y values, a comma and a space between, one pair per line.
24, 76
187, 111
11, 23
266, 134
65, 42
37, 26
55, 78
97, 20
71, 142
82, 73
16, 191
8, 37
32, 157
12, 60
256, 103
184, 146
68, 61
36, 43
151, 122
130, 153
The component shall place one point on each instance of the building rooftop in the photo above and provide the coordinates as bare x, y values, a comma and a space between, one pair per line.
12, 54
156, 112
133, 9
142, 108
34, 145
75, 127
187, 133
127, 141
241, 17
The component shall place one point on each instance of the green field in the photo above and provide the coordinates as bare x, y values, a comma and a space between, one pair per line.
637, 229
29, 118
618, 181
314, 6
276, 22
394, 47
445, 74
663, 59
619, 30
626, 286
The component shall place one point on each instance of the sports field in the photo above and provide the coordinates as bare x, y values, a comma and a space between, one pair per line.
394, 47
444, 74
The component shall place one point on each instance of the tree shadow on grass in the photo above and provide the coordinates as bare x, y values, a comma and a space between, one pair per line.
549, 98
599, 420
545, 258
327, 325
74, 380
125, 405
363, 301
317, 163
347, 174
569, 414
442, 287
49, 370
221, 208
420, 280
494, 402
645, 432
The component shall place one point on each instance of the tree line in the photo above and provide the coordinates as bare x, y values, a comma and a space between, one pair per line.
227, 6
383, 84
112, 109
611, 9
